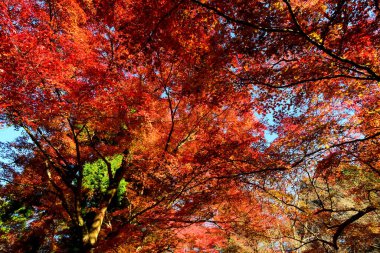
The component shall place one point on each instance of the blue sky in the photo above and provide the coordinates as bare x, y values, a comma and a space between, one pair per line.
8, 134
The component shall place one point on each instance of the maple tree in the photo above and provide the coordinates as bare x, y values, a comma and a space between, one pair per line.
144, 125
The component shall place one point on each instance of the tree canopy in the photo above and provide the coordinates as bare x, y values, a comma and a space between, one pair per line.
190, 126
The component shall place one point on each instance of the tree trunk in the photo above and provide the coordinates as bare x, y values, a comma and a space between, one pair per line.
90, 239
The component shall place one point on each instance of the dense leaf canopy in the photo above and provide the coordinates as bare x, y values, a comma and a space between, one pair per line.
190, 126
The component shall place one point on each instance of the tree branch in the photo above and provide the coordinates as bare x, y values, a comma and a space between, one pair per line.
243, 22
327, 50
349, 221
